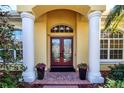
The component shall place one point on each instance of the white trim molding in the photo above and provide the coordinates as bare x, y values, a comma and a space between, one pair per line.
27, 15
111, 61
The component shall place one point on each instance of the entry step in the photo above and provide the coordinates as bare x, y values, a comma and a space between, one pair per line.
60, 86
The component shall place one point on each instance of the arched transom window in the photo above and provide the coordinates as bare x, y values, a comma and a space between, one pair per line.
111, 46
61, 29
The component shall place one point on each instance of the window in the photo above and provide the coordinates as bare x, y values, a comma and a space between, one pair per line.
18, 35
104, 51
61, 28
111, 45
18, 42
17, 53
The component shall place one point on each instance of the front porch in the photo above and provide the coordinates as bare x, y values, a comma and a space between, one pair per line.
37, 46
62, 80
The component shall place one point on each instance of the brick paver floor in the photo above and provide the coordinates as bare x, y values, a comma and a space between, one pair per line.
61, 80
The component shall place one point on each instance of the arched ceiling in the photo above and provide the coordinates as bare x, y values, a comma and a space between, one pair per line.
39, 10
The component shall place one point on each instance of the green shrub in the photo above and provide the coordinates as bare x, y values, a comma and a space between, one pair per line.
82, 65
115, 78
12, 67
116, 72
8, 80
114, 83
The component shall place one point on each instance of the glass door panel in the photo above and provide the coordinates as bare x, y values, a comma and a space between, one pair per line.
55, 50
67, 50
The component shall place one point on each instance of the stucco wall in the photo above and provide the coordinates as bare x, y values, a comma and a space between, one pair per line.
82, 39
61, 17
41, 41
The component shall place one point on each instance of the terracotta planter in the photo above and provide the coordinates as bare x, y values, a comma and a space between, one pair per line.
82, 73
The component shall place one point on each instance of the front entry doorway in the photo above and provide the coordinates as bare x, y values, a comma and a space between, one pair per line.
61, 52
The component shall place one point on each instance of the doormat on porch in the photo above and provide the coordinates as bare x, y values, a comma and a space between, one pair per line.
62, 69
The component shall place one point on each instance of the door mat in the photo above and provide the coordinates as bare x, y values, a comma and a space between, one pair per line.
62, 69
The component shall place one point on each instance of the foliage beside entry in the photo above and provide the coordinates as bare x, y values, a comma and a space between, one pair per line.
7, 44
114, 83
115, 16
6, 38
116, 72
10, 80
82, 65
12, 67
8, 41
115, 78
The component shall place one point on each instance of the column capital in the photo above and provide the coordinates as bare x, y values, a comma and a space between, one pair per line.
94, 13
27, 15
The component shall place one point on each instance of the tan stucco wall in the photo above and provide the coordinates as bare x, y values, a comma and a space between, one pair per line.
82, 39
41, 41
61, 17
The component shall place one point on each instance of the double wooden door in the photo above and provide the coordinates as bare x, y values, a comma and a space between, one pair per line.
62, 51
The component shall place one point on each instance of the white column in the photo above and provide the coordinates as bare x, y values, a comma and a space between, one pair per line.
94, 75
28, 46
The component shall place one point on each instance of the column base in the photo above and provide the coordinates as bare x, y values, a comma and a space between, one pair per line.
29, 76
95, 77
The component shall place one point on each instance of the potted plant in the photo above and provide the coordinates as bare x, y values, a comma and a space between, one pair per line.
40, 70
82, 70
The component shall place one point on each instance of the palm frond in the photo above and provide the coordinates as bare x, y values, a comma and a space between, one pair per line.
117, 21
114, 17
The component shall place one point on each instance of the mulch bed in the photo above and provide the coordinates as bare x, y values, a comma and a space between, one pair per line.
91, 86
27, 85
104, 73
